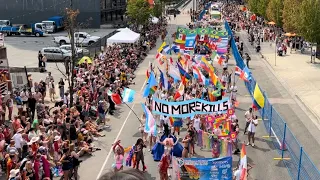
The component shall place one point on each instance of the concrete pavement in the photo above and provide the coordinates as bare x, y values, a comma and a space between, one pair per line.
292, 78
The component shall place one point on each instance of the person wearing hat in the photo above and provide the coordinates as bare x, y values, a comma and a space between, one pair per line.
34, 144
11, 149
17, 137
11, 163
14, 174
56, 148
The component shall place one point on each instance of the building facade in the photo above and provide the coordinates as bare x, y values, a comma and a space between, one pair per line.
93, 12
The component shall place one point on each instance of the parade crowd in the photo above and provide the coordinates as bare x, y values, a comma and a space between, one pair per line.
38, 141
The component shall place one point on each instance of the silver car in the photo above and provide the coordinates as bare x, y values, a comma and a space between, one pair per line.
79, 51
56, 54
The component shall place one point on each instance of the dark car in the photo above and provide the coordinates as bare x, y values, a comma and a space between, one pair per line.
173, 11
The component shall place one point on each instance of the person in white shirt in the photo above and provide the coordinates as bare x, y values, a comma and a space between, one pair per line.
18, 140
249, 116
24, 94
196, 122
66, 98
252, 130
163, 120
51, 90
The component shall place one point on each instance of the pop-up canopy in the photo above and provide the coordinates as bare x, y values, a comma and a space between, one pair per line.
125, 35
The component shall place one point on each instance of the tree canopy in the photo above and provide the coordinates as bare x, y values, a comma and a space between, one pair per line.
295, 16
309, 20
274, 11
290, 15
138, 11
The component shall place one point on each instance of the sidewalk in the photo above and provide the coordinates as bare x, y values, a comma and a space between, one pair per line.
300, 75
291, 79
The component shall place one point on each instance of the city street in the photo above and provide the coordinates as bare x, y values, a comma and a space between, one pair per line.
22, 51
125, 128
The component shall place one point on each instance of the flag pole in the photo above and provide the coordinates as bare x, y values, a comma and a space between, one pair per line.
133, 112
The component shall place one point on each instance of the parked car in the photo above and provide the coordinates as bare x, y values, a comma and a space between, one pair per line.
56, 54
79, 51
81, 39
172, 11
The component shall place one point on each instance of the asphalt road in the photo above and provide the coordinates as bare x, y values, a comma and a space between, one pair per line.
124, 124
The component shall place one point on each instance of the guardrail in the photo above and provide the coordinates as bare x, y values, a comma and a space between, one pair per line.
291, 152
95, 48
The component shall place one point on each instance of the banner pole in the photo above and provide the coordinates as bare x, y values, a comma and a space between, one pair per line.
300, 160
283, 141
270, 123
133, 112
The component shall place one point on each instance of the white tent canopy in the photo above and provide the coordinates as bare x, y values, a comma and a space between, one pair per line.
125, 35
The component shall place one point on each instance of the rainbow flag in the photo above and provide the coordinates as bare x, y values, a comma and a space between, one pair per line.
243, 163
208, 67
211, 97
171, 121
153, 90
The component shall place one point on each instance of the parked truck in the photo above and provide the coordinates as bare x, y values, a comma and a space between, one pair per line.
54, 24
5, 23
36, 29
81, 39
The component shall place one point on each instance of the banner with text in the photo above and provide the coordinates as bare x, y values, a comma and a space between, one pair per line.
202, 168
189, 108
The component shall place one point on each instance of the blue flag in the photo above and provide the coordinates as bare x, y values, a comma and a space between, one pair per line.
151, 82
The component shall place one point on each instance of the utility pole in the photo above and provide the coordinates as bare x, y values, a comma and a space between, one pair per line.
72, 60
194, 11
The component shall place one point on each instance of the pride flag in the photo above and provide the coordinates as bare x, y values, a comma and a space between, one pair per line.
210, 69
152, 82
183, 72
171, 121
150, 125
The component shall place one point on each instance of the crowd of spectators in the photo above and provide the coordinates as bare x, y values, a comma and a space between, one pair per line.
38, 141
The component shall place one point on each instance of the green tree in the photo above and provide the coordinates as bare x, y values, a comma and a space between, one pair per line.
274, 11
157, 10
138, 11
290, 15
262, 6
309, 20
253, 5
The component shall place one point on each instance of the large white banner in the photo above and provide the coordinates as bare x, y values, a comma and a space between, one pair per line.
189, 108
